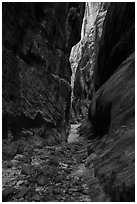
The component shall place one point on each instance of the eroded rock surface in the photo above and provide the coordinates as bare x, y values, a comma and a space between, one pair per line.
115, 163
117, 41
37, 40
100, 165
83, 57
111, 115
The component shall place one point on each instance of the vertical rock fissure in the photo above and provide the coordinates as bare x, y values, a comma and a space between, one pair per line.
104, 91
68, 111
83, 59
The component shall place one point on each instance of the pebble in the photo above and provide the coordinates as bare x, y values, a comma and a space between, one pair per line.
8, 191
41, 181
39, 189
53, 161
21, 199
19, 183
8, 164
26, 159
56, 191
36, 197
9, 151
23, 191
12, 182
26, 169
59, 178
53, 175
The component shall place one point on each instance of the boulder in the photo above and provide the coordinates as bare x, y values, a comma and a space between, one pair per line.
22, 192
27, 169
41, 180
9, 150
7, 192
36, 197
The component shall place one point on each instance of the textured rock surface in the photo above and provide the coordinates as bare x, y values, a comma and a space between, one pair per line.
117, 42
111, 113
37, 40
55, 173
115, 161
83, 56
37, 94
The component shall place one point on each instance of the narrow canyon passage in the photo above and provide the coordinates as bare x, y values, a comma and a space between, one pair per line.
50, 173
68, 101
60, 173
73, 133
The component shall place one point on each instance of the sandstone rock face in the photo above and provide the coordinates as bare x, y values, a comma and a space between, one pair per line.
117, 41
92, 11
111, 115
83, 56
37, 40
114, 118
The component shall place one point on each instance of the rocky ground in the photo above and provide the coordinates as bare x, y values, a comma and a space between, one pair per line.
35, 172
40, 100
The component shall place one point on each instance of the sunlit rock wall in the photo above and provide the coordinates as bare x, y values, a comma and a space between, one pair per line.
83, 57
111, 114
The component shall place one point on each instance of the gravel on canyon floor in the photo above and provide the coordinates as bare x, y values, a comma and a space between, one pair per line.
49, 173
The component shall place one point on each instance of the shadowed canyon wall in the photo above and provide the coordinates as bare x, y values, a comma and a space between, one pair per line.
36, 74
117, 41
111, 113
37, 80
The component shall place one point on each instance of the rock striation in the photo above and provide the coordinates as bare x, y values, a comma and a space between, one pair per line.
37, 40
83, 56
117, 41
111, 114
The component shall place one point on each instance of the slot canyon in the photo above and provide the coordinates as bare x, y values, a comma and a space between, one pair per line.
68, 102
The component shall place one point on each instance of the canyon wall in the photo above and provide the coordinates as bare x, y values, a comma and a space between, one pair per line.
117, 41
83, 57
36, 75
111, 114
37, 79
